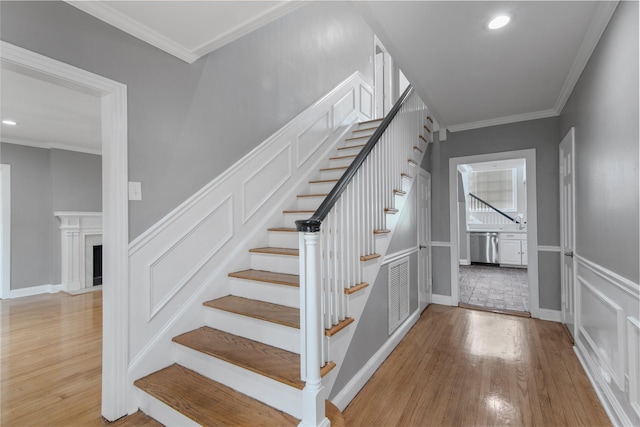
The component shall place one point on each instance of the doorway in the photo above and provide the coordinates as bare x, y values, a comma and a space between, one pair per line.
492, 233
531, 243
567, 230
424, 238
113, 96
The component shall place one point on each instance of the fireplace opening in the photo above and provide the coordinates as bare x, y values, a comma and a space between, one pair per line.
97, 265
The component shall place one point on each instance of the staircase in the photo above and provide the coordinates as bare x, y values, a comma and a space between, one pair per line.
243, 366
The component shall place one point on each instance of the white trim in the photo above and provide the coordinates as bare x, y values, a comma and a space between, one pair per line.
596, 28
54, 145
610, 276
440, 244
504, 120
532, 223
442, 300
115, 338
464, 262
5, 231
349, 392
398, 255
551, 315
104, 12
543, 248
35, 290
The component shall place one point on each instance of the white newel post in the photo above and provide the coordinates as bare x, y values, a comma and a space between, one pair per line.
311, 332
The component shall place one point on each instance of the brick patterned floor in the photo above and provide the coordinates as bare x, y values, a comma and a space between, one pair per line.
494, 287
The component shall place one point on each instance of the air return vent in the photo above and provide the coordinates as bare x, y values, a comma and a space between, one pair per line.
398, 293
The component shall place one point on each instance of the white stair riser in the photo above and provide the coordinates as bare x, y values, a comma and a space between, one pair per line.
163, 413
354, 142
363, 132
268, 333
321, 187
332, 174
371, 124
276, 263
336, 163
351, 150
291, 218
267, 292
309, 203
273, 393
283, 239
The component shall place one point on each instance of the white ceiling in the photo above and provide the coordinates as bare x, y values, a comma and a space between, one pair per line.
49, 115
472, 77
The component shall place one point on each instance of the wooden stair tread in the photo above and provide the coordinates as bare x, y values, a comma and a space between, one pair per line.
382, 231
404, 175
427, 128
350, 156
333, 169
370, 121
399, 192
268, 276
283, 229
274, 313
353, 138
356, 288
417, 149
332, 412
351, 147
276, 251
369, 257
208, 402
391, 210
298, 211
365, 129
430, 119
272, 362
423, 138
320, 181
311, 195
340, 326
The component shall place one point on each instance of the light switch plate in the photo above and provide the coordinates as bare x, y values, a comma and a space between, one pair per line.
135, 191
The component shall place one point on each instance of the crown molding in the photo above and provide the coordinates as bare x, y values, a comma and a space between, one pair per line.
247, 27
104, 12
52, 145
596, 28
119, 20
504, 120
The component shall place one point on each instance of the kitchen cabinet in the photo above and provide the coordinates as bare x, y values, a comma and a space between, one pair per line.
513, 249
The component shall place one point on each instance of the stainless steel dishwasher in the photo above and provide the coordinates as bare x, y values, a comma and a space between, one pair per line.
484, 248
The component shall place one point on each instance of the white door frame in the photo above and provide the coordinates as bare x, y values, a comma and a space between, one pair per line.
429, 279
115, 325
382, 87
532, 220
5, 230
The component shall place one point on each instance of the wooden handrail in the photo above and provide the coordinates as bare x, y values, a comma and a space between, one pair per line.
312, 225
494, 208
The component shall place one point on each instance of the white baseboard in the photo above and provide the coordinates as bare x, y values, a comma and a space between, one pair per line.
441, 299
465, 262
551, 315
353, 387
34, 290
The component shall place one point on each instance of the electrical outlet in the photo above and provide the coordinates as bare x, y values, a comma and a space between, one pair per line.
135, 191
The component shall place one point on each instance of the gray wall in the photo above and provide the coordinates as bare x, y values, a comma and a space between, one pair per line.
44, 181
543, 135
190, 122
604, 110
373, 326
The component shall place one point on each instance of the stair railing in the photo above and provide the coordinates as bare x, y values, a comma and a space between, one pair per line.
477, 204
340, 236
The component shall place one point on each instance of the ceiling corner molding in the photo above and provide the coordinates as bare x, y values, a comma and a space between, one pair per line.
51, 145
504, 120
247, 27
592, 37
122, 22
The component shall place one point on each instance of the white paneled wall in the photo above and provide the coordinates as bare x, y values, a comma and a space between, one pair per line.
608, 338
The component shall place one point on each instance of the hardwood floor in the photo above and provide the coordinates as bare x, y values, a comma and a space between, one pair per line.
456, 367
51, 361
460, 367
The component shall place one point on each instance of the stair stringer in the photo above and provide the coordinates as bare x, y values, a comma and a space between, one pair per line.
338, 344
153, 325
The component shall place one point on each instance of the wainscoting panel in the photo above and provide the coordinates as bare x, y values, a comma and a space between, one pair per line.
268, 179
608, 338
366, 102
312, 138
344, 108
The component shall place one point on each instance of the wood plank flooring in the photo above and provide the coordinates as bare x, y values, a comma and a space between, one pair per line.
51, 362
460, 367
456, 367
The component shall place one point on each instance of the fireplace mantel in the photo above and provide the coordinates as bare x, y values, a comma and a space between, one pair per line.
78, 230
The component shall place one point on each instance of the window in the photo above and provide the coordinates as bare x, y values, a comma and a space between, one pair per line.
496, 187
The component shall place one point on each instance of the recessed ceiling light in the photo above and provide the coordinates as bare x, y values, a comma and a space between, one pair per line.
499, 22
9, 122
